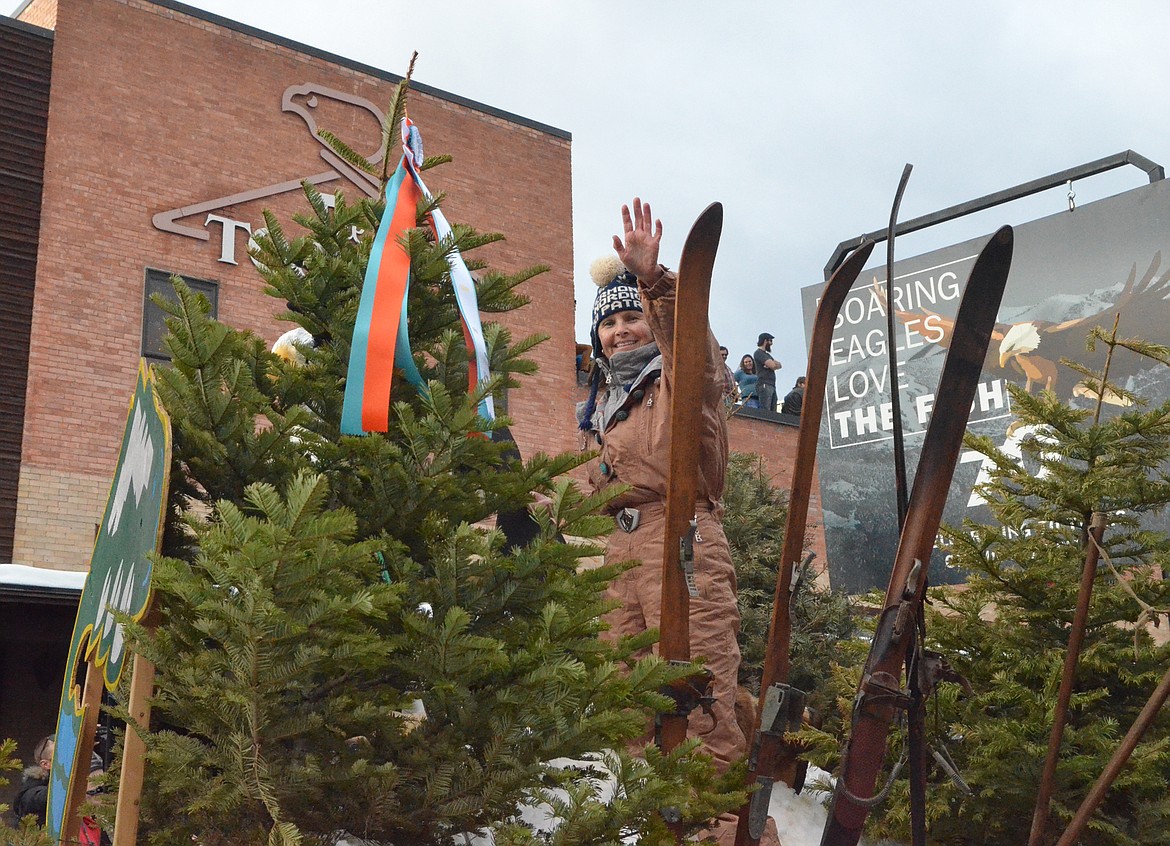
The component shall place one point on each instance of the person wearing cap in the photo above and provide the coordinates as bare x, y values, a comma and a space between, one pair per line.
766, 368
730, 387
33, 796
794, 401
627, 419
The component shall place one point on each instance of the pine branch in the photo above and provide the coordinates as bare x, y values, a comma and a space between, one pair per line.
347, 153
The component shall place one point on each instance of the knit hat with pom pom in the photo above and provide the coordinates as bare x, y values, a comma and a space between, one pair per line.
617, 291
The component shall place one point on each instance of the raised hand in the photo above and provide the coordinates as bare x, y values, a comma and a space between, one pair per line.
638, 250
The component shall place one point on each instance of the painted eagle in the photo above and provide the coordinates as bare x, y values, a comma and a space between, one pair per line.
1031, 350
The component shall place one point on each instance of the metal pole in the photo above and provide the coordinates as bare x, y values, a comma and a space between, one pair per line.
1153, 170
916, 715
892, 355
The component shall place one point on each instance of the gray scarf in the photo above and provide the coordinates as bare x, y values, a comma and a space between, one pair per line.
623, 372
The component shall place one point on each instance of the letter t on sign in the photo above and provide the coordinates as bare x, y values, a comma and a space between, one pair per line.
227, 249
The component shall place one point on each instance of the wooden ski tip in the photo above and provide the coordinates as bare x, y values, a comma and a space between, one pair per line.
996, 256
856, 260
702, 242
710, 220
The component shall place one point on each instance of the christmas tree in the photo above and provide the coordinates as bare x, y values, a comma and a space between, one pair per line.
346, 648
26, 832
1006, 632
822, 619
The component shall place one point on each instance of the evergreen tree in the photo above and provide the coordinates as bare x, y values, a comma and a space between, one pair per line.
1006, 632
821, 619
344, 643
26, 832
8, 762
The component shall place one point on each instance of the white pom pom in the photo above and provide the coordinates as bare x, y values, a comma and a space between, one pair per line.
604, 269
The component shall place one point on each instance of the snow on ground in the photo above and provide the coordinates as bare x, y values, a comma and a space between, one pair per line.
800, 818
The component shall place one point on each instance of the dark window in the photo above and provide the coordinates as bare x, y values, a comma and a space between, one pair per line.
154, 327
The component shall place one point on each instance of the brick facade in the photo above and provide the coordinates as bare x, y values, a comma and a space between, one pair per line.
157, 107
42, 13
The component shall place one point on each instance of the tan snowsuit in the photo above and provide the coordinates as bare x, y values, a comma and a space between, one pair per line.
634, 445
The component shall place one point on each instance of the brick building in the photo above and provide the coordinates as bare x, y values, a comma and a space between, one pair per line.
143, 138
168, 132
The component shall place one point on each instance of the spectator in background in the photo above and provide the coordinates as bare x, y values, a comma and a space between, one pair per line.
795, 398
33, 796
766, 368
90, 833
730, 387
745, 378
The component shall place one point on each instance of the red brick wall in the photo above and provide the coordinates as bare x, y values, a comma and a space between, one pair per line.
776, 443
153, 110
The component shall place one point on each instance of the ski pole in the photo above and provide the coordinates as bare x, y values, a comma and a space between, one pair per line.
1076, 637
1105, 780
916, 713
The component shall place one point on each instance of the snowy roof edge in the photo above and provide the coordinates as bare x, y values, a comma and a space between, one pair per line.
24, 576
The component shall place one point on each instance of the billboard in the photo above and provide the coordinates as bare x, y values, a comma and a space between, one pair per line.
1070, 272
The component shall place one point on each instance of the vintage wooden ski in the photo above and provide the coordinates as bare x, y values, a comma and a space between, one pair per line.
771, 757
690, 351
881, 692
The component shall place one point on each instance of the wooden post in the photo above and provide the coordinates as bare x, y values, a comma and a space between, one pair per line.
1094, 532
134, 754
1105, 780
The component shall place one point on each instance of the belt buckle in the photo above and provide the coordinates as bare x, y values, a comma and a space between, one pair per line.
628, 519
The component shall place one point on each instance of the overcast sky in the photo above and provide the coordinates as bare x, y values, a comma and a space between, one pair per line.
798, 117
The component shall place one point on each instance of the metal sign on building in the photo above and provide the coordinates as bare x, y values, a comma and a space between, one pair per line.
1071, 271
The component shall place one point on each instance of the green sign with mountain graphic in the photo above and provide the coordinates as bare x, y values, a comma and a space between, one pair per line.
118, 581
